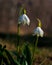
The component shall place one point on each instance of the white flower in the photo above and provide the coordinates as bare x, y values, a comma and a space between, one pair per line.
38, 31
24, 19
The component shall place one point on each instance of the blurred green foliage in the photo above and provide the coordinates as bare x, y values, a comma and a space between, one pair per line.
23, 56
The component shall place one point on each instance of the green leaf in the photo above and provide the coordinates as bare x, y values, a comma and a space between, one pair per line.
27, 54
11, 59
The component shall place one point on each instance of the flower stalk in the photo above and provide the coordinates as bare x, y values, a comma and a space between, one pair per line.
23, 19
36, 43
38, 32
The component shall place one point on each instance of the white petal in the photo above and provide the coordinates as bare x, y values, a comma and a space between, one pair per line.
27, 20
41, 32
24, 19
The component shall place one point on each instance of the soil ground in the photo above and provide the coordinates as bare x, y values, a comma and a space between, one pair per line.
42, 58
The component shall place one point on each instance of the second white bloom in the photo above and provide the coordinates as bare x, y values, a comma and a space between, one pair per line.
39, 32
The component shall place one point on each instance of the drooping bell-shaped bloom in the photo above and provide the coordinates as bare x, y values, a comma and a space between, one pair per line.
38, 31
24, 19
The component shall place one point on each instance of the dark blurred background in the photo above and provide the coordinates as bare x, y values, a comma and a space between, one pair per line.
9, 10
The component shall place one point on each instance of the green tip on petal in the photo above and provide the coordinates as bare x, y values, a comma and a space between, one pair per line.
24, 11
39, 22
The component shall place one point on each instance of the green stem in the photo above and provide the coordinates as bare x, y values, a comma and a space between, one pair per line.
18, 37
36, 43
21, 11
35, 48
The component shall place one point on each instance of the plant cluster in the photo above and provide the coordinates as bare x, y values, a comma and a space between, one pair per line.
23, 57
26, 55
